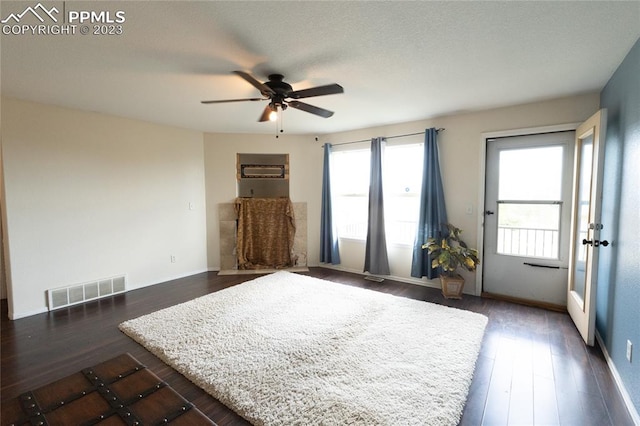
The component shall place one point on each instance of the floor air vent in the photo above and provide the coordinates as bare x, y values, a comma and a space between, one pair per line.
79, 293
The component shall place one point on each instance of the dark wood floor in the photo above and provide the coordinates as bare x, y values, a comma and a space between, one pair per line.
533, 367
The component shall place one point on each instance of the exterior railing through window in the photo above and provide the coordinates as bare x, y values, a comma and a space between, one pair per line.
398, 232
533, 242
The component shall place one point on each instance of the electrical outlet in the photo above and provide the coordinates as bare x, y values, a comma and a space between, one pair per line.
173, 259
629, 350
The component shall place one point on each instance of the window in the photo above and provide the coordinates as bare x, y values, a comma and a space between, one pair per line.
530, 202
350, 192
402, 185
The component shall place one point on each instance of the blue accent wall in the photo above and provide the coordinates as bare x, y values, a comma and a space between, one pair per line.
618, 291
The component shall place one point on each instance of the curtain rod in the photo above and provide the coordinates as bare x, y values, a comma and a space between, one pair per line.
441, 129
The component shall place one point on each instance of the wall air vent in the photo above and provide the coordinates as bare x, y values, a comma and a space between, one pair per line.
262, 175
79, 293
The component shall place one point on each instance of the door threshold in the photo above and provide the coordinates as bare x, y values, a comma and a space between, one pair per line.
527, 302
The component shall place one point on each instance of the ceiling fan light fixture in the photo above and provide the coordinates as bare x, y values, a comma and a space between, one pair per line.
273, 115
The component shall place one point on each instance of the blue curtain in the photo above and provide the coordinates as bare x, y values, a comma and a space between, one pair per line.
376, 260
329, 252
433, 213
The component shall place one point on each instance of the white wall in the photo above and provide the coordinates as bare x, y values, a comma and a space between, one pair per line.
461, 163
3, 281
91, 196
305, 167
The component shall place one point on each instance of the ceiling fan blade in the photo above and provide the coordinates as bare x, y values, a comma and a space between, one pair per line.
265, 114
233, 100
310, 108
263, 88
329, 89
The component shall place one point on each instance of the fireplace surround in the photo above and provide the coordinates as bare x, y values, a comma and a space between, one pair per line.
228, 220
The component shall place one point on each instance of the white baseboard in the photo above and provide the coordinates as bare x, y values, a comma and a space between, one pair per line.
139, 285
618, 380
261, 271
18, 315
416, 281
184, 275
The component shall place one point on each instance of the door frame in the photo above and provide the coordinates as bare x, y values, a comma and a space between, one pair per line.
481, 180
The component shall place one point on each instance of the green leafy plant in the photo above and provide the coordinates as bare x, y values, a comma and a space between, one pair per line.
451, 252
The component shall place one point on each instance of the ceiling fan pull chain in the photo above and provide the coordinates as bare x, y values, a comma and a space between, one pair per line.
279, 123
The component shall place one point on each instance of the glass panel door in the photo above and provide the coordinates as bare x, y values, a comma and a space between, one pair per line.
585, 229
527, 221
583, 194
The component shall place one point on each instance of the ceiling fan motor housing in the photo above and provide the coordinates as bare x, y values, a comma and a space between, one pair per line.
277, 84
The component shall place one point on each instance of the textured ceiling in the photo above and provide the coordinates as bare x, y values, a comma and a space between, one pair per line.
397, 61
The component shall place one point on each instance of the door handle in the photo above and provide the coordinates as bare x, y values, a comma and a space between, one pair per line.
488, 212
595, 243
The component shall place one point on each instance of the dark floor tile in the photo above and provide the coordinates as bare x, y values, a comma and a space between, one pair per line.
570, 408
521, 402
474, 408
594, 409
545, 405
542, 363
496, 411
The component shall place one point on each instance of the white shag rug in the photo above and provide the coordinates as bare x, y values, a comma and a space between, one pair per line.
288, 349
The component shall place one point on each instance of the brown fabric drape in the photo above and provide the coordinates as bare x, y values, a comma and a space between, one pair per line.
266, 229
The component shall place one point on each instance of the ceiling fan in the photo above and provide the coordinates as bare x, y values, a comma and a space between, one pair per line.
281, 95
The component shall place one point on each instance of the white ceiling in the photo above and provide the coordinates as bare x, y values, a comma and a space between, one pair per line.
397, 61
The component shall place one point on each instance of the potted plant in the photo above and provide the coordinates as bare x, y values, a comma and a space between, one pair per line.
449, 254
